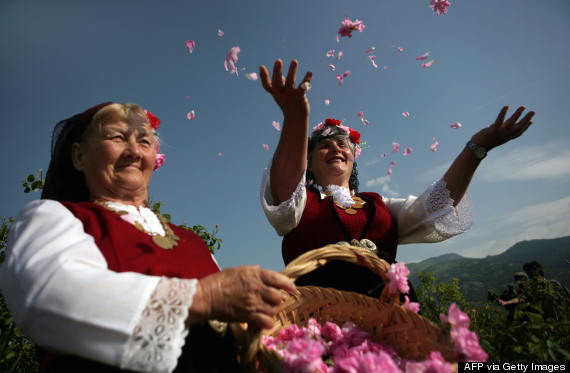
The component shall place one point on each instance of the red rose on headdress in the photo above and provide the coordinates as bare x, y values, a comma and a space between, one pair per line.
354, 136
154, 121
332, 122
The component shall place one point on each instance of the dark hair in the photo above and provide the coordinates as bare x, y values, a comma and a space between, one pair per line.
533, 268
63, 181
334, 133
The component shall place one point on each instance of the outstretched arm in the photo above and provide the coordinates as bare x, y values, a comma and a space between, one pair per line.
290, 158
461, 171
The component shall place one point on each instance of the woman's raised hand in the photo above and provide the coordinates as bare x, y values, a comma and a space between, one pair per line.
503, 130
244, 294
292, 101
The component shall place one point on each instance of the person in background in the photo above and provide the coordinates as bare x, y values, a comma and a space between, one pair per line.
310, 190
102, 283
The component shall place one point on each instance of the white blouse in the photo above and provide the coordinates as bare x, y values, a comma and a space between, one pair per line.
431, 217
61, 293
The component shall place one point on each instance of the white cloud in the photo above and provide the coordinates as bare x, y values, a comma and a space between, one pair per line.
529, 163
384, 182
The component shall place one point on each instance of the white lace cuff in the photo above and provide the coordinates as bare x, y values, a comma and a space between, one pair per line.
157, 340
448, 220
285, 216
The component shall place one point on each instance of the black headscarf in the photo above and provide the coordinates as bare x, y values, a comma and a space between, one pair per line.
63, 181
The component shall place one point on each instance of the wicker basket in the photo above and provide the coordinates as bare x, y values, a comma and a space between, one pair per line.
411, 335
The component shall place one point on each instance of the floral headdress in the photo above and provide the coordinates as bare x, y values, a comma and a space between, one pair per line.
154, 124
353, 135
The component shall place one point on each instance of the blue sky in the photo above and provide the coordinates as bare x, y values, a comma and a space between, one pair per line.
61, 57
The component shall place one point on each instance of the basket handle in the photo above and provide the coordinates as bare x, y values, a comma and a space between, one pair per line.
313, 259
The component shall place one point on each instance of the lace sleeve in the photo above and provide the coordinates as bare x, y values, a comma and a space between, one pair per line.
157, 340
285, 216
431, 217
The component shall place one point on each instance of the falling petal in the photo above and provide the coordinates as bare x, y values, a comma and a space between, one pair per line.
423, 56
266, 147
190, 44
395, 147
427, 64
349, 26
191, 115
370, 50
392, 164
339, 78
331, 67
389, 171
360, 114
276, 125
365, 121
346, 73
231, 59
339, 55
383, 155
220, 154
406, 114
330, 53
251, 76
456, 125
242, 69
220, 33
407, 151
187, 96
337, 39
385, 67
327, 102
434, 146
439, 6
400, 49
374, 63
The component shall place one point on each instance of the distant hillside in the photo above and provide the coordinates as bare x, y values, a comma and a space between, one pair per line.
477, 276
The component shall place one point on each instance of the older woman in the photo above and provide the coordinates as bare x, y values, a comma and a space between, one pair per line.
99, 281
310, 191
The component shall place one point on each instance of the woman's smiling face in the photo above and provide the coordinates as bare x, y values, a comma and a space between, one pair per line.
117, 158
332, 161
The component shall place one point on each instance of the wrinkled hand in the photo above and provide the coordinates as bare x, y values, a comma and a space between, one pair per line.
503, 130
292, 101
244, 294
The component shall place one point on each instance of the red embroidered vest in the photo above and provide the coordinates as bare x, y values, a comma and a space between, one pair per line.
324, 223
127, 249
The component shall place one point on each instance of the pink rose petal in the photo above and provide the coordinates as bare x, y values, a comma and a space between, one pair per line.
191, 115
456, 125
159, 161
330, 53
407, 151
231, 59
190, 44
400, 49
360, 114
348, 26
370, 50
427, 64
383, 155
220, 154
392, 164
266, 147
339, 55
434, 146
339, 78
327, 102
331, 67
423, 56
337, 39
220, 33
276, 125
395, 147
346, 73
411, 306
439, 6
398, 276
406, 114
389, 171
365, 122
251, 76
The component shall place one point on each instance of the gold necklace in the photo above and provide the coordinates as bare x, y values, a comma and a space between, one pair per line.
167, 242
358, 204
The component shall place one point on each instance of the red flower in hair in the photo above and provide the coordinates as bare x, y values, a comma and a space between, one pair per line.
354, 136
332, 122
154, 121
